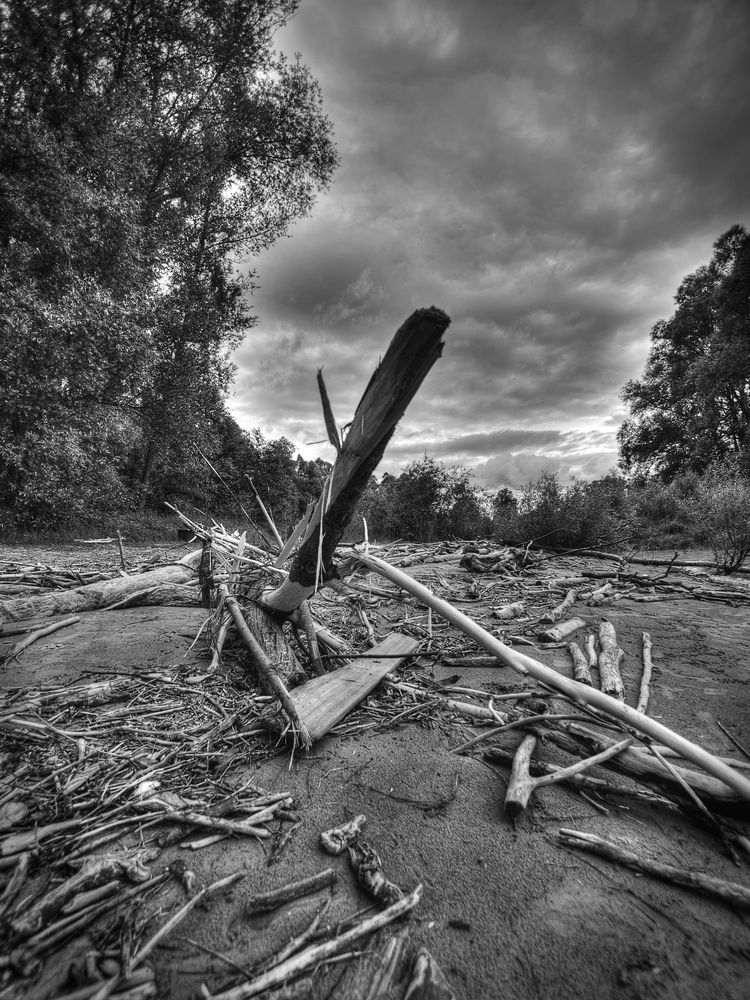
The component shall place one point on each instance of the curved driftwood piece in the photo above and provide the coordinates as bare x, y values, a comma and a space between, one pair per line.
101, 594
521, 784
577, 692
410, 356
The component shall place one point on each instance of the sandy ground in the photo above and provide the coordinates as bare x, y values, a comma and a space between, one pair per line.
506, 910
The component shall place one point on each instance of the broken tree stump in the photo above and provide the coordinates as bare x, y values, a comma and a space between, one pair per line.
411, 354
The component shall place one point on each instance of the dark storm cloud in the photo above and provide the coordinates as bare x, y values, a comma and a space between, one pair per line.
546, 173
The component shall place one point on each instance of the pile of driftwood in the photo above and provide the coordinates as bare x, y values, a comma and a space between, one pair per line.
324, 628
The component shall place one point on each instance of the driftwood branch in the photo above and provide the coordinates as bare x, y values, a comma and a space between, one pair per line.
315, 954
728, 892
263, 666
577, 692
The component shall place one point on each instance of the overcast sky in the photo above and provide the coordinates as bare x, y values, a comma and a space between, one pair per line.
546, 172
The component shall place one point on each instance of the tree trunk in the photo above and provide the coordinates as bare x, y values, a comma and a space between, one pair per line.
413, 351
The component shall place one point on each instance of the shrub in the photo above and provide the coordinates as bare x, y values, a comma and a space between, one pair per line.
664, 514
723, 511
580, 515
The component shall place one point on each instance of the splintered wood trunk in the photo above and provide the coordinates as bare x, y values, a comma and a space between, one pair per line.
413, 351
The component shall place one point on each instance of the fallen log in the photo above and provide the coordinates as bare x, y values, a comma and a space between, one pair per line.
642, 766
610, 658
581, 669
559, 632
579, 693
101, 594
562, 608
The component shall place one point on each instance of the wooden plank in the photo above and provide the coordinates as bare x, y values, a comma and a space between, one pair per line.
323, 702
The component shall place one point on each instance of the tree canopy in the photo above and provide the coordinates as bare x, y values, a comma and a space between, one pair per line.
148, 147
692, 404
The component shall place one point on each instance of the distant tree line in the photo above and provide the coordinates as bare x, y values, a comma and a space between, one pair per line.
146, 147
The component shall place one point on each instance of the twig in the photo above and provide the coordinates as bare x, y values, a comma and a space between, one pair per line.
142, 954
308, 625
40, 634
316, 954
286, 894
737, 743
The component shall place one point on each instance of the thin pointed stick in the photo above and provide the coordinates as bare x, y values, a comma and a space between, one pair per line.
331, 428
268, 675
728, 892
269, 519
315, 954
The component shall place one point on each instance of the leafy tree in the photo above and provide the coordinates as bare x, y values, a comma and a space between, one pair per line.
146, 146
579, 515
427, 501
692, 404
504, 506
